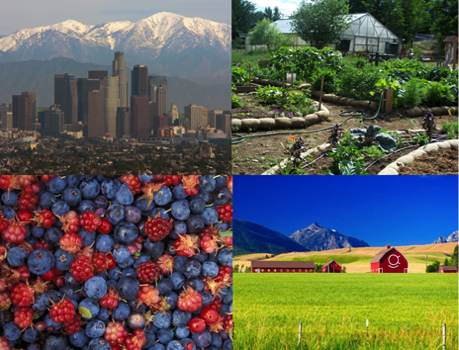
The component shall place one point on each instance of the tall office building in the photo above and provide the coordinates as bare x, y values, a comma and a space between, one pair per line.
94, 124
110, 104
33, 100
159, 122
84, 85
23, 112
119, 70
139, 81
193, 114
173, 113
123, 123
204, 117
152, 86
66, 96
224, 122
52, 121
98, 74
7, 119
161, 100
212, 117
140, 116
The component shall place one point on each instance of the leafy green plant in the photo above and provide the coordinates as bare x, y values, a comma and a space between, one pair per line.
239, 76
414, 93
360, 62
422, 139
451, 129
331, 81
282, 96
303, 109
439, 94
373, 152
358, 83
235, 102
373, 136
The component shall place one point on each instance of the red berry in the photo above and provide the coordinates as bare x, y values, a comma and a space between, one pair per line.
62, 311
43, 244
228, 322
216, 303
71, 242
14, 233
5, 300
157, 228
148, 295
99, 261
133, 182
185, 245
90, 221
22, 295
105, 226
197, 325
24, 216
148, 272
3, 224
70, 222
28, 201
229, 241
166, 263
208, 242
59, 281
137, 341
23, 317
24, 272
40, 326
115, 334
81, 268
225, 213
209, 315
173, 180
4, 344
190, 184
73, 325
44, 218
49, 276
189, 300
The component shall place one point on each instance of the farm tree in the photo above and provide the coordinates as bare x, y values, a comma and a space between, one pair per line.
266, 34
321, 22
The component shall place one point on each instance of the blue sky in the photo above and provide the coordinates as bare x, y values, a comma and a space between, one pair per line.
396, 210
19, 14
286, 7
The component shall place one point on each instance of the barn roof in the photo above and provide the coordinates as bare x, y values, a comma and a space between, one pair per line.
283, 264
449, 268
330, 263
382, 254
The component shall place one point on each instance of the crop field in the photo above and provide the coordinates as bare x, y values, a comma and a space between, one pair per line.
405, 311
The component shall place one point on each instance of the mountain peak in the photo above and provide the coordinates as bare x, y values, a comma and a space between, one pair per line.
453, 237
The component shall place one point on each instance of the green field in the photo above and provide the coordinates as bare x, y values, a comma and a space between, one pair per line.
405, 311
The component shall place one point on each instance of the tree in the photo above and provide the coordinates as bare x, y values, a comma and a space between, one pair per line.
243, 17
272, 14
318, 268
445, 24
321, 22
446, 262
453, 260
236, 268
277, 15
343, 270
433, 267
266, 34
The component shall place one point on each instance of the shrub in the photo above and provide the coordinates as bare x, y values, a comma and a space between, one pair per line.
331, 81
414, 93
439, 94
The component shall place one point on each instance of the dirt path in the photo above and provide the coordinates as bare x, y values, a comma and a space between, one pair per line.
256, 155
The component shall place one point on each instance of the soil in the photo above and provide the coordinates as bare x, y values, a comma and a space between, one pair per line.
256, 155
443, 162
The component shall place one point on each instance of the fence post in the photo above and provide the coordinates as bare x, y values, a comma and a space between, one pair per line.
321, 92
299, 335
444, 336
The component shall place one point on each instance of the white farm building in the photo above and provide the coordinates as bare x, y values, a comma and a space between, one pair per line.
365, 32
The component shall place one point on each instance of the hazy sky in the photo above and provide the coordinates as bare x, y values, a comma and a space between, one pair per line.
396, 210
19, 14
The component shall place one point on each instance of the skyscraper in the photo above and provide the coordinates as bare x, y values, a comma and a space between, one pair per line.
119, 70
224, 122
161, 100
23, 113
139, 81
66, 96
193, 114
52, 121
212, 118
159, 122
7, 119
33, 100
204, 117
94, 125
152, 86
123, 122
110, 104
84, 85
140, 111
173, 113
98, 74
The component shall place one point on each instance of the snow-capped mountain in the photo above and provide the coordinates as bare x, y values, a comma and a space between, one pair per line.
168, 43
453, 237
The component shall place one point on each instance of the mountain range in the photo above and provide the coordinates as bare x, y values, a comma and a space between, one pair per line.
316, 237
169, 44
38, 76
250, 237
453, 237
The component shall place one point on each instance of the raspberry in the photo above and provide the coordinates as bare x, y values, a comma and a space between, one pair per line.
185, 245
100, 262
189, 300
208, 242
70, 222
3, 224
4, 344
166, 263
224, 274
148, 272
133, 182
115, 333
71, 242
110, 300
173, 179
90, 221
157, 228
105, 226
190, 184
216, 303
228, 322
28, 200
74, 325
15, 232
44, 218
46, 178
225, 213
148, 295
24, 272
137, 341
23, 317
5, 300
24, 216
43, 244
81, 268
63, 311
22, 295
229, 241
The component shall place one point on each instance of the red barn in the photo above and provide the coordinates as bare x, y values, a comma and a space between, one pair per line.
389, 260
282, 266
332, 267
448, 269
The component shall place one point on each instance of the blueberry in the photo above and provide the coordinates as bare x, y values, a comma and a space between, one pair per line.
144, 206
41, 302
150, 335
78, 339
128, 287
9, 198
180, 227
197, 205
192, 268
104, 243
51, 324
181, 318
121, 312
47, 199
146, 178
182, 332
124, 195
202, 339
178, 280
103, 314
132, 214
56, 185
40, 261
164, 285
174, 345
207, 183
209, 268
223, 197
115, 214
185, 342
154, 249
72, 196
11, 331
99, 344
60, 208
8, 212
63, 259
86, 205
158, 346
179, 192
108, 188
55, 342
201, 256
225, 257
95, 288
197, 284
89, 305
163, 196
180, 262
207, 298
164, 214
101, 202
195, 224
33, 347
216, 340
221, 182
180, 209
87, 238
135, 307
129, 272
121, 254
126, 233
90, 189
95, 329
114, 274
228, 345
165, 335
37, 231
210, 216
171, 299
16, 256
53, 235
162, 320
31, 335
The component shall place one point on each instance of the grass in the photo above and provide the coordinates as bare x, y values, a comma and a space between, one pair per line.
405, 311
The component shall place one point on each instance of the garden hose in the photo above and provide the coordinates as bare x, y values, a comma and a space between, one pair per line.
240, 138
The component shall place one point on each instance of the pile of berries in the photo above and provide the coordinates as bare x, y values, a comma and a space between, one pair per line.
105, 262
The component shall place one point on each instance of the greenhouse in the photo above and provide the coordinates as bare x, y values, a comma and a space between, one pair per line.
365, 33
